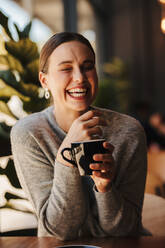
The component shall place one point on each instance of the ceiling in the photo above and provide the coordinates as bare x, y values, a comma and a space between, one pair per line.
51, 13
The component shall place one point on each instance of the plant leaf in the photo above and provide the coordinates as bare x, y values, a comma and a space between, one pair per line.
4, 22
32, 72
5, 109
9, 78
17, 29
4, 141
35, 105
28, 89
26, 31
7, 91
24, 50
9, 61
2, 43
4, 131
25, 89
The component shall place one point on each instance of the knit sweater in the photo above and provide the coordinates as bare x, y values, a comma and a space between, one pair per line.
68, 205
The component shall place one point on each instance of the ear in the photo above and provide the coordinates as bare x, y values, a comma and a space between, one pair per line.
43, 79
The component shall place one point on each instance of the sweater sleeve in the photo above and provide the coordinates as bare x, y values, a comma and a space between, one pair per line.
119, 210
54, 190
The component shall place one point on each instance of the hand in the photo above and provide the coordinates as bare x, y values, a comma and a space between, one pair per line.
85, 127
103, 173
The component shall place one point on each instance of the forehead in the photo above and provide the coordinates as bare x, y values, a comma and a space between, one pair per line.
71, 51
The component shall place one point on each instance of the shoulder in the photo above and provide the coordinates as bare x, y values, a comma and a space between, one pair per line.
30, 125
119, 119
122, 124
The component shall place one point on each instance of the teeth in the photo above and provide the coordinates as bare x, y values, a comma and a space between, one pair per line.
78, 90
78, 94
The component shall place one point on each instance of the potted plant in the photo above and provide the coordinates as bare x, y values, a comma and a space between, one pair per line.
20, 94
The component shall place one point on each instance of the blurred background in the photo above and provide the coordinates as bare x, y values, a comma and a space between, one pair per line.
129, 40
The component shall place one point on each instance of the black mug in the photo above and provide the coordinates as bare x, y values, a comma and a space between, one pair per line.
82, 152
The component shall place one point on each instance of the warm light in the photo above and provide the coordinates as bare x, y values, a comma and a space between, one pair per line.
162, 1
163, 25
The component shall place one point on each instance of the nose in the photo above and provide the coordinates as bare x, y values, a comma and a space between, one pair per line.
78, 75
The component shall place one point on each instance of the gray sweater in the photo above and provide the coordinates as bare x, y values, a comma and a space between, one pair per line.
68, 205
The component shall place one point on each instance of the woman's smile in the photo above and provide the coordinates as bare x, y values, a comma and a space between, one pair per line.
78, 93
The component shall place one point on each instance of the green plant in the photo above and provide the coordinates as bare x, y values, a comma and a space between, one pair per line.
18, 80
114, 87
18, 73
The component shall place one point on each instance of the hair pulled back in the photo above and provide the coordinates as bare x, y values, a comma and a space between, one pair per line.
56, 40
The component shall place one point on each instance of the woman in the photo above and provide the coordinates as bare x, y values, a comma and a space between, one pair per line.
68, 206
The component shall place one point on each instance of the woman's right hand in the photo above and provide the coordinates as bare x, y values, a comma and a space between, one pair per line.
85, 127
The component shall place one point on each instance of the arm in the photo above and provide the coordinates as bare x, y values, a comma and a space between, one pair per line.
119, 209
54, 190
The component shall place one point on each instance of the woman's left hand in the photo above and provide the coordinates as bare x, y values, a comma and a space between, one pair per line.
103, 173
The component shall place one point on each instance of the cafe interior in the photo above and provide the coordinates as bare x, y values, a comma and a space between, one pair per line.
129, 40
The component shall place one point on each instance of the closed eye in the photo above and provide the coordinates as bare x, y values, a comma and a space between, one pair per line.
88, 67
66, 69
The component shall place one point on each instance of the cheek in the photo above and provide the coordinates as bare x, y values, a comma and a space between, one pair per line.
94, 85
94, 80
57, 82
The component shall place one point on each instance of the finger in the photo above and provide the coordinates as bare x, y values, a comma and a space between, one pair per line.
90, 114
108, 146
93, 131
105, 175
95, 121
107, 157
102, 167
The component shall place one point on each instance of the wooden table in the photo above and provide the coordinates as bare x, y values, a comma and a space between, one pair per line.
34, 242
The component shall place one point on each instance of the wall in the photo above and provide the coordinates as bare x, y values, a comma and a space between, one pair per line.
134, 35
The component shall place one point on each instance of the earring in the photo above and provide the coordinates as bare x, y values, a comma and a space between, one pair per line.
47, 94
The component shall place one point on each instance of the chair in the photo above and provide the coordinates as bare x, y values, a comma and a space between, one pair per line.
153, 214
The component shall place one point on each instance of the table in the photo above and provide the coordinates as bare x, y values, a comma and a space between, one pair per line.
50, 242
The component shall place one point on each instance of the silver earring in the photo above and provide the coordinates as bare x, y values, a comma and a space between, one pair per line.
47, 94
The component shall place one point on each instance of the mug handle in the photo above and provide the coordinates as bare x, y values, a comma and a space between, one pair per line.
66, 159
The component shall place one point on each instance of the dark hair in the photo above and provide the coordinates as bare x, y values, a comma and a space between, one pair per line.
56, 40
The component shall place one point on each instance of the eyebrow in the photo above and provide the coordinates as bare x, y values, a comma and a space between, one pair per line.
65, 62
69, 61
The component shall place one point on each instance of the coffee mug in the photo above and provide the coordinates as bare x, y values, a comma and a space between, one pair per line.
82, 152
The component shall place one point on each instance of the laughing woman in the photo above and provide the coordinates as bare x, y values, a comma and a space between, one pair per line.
67, 205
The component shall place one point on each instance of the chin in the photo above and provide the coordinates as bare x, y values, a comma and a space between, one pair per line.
82, 107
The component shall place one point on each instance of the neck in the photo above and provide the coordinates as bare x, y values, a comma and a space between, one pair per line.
65, 120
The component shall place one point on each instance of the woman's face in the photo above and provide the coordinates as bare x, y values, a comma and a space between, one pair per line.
72, 78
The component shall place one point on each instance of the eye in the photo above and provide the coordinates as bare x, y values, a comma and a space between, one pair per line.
88, 67
66, 69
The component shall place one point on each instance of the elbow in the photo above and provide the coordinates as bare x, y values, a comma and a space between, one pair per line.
124, 231
60, 232
129, 228
62, 224
124, 225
